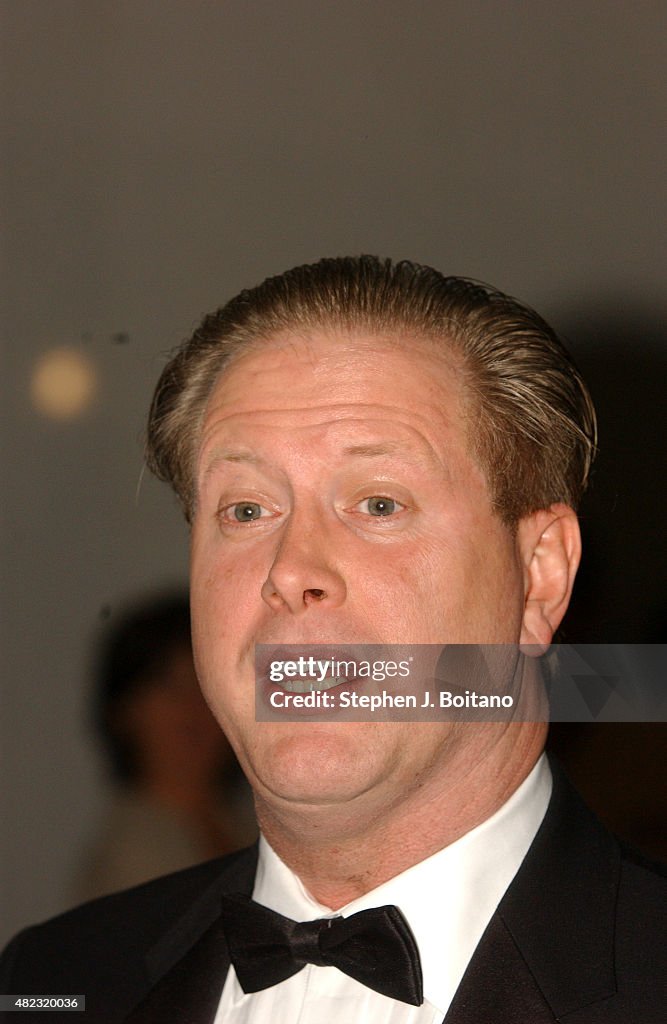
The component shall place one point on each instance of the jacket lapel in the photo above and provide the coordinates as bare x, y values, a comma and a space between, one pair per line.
548, 950
498, 988
186, 970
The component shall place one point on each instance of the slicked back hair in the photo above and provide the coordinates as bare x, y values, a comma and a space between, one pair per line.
530, 419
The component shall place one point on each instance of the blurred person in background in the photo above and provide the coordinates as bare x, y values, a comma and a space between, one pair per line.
179, 795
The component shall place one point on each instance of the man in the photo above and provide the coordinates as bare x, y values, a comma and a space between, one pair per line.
372, 453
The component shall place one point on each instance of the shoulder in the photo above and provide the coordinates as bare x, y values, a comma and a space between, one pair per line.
641, 911
639, 945
145, 909
100, 947
590, 918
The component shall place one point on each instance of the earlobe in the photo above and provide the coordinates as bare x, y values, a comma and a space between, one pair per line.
550, 545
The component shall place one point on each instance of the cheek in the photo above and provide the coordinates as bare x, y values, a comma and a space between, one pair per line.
397, 592
223, 592
491, 585
224, 606
462, 583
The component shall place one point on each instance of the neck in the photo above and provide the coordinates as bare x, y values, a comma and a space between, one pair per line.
340, 853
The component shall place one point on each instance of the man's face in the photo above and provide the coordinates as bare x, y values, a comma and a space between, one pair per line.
338, 503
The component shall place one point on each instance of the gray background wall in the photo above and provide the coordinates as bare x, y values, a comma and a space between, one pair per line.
161, 154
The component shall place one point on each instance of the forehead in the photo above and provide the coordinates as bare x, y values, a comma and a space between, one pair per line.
324, 369
338, 395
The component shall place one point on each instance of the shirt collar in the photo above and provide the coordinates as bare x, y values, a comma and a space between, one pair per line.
448, 899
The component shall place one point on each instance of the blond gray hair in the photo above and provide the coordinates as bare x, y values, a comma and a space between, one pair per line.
531, 421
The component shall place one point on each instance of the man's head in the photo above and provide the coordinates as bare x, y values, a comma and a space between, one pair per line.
530, 419
370, 454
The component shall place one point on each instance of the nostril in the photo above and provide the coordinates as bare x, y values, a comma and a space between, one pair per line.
317, 594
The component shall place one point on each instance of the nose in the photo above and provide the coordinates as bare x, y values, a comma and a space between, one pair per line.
303, 573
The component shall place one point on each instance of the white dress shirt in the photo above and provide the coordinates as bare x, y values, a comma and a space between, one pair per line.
447, 899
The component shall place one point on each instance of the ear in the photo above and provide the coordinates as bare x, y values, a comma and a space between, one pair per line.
550, 547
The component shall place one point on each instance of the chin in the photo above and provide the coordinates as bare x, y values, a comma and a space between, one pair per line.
314, 765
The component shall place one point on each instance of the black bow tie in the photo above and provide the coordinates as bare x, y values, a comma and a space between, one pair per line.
376, 947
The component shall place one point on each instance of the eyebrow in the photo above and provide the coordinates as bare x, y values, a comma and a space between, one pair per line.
381, 448
230, 455
235, 456
372, 451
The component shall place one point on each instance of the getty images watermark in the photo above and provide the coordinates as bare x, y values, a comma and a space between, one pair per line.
461, 682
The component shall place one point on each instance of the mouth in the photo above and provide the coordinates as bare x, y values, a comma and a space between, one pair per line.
312, 666
304, 670
311, 685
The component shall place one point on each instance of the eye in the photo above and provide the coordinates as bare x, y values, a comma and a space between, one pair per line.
380, 506
243, 512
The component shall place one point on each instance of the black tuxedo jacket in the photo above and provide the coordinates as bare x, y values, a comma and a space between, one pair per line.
580, 937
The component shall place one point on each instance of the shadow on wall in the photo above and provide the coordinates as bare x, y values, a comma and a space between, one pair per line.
620, 594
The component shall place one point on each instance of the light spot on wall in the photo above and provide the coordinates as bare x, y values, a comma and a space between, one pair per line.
63, 384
